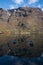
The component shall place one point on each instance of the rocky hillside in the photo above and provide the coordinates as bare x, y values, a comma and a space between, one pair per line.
25, 16
23, 26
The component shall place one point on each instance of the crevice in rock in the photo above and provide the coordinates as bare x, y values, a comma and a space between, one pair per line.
10, 15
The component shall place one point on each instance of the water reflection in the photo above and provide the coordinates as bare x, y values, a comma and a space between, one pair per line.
13, 60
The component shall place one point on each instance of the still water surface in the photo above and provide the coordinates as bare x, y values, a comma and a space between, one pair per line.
14, 60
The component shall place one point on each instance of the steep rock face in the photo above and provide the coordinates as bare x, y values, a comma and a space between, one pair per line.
3, 15
21, 31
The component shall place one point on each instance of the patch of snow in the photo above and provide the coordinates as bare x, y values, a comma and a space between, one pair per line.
15, 10
42, 9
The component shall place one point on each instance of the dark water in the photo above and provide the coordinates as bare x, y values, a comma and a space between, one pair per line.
13, 60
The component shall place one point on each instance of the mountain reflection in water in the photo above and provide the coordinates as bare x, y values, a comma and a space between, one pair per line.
13, 60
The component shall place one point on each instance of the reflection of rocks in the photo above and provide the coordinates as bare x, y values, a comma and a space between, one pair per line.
18, 47
1, 52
